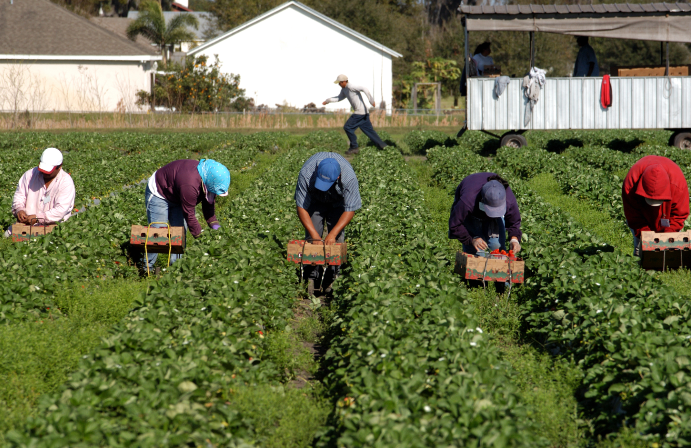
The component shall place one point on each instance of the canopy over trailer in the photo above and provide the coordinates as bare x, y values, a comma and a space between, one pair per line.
573, 103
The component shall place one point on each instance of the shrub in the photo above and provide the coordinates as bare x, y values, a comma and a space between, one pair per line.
196, 86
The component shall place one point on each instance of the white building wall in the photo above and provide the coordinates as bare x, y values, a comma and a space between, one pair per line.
94, 86
293, 58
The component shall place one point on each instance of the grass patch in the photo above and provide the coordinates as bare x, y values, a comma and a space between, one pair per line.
277, 417
613, 232
679, 280
36, 357
548, 386
290, 355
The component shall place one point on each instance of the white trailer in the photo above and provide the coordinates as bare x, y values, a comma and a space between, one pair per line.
662, 102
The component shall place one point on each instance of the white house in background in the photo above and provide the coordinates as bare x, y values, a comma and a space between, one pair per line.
292, 55
202, 31
52, 59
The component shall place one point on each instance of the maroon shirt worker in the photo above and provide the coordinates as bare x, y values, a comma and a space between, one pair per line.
174, 191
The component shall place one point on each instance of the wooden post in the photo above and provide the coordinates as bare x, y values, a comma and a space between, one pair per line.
153, 91
532, 49
414, 97
438, 98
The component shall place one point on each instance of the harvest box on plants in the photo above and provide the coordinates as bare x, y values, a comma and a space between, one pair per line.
670, 250
500, 269
300, 251
23, 232
157, 241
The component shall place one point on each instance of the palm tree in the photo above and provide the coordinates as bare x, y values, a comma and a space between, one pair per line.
151, 24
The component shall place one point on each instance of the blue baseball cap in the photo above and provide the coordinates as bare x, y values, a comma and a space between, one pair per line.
493, 199
327, 173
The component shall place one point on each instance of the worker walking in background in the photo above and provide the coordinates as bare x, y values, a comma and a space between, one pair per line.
327, 191
45, 194
586, 62
174, 191
655, 196
360, 118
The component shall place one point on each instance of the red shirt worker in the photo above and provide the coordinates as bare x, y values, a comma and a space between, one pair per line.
655, 196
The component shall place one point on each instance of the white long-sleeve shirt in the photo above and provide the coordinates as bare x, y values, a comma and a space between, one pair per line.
52, 204
352, 92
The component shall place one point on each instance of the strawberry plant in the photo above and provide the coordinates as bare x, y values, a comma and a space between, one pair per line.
626, 330
408, 365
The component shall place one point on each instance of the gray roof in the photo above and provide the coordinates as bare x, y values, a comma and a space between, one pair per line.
40, 27
308, 10
610, 8
205, 21
119, 26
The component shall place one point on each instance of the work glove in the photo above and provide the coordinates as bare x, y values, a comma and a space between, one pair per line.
215, 225
515, 246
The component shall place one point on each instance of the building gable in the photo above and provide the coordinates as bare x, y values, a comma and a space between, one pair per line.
314, 15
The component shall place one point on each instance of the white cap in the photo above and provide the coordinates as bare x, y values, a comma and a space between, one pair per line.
654, 202
341, 78
50, 158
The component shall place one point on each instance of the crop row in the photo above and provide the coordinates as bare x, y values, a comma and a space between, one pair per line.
89, 245
407, 364
169, 373
628, 332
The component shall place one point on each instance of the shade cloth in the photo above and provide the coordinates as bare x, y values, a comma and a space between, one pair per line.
663, 22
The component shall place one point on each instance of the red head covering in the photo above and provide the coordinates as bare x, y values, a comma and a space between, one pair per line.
654, 184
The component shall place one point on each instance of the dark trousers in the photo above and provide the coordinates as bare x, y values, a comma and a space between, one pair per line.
365, 125
320, 215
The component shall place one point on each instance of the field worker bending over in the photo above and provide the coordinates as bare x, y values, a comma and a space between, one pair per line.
360, 118
174, 191
327, 191
45, 194
655, 196
484, 209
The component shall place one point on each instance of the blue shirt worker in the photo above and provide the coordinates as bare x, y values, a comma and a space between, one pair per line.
484, 209
360, 118
327, 191
586, 62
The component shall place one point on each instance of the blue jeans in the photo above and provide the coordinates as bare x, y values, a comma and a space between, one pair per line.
160, 210
365, 125
493, 231
636, 243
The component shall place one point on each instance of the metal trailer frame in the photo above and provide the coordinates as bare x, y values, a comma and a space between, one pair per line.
573, 103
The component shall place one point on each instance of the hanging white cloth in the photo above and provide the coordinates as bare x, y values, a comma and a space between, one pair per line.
532, 85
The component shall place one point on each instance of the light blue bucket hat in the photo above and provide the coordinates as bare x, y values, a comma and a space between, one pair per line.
215, 177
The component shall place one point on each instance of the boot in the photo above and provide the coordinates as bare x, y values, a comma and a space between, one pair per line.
310, 287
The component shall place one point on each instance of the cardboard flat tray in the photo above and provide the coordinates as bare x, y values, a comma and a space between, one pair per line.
313, 254
23, 232
157, 242
669, 250
471, 267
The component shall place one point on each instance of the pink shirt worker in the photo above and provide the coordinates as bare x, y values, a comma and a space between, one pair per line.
45, 193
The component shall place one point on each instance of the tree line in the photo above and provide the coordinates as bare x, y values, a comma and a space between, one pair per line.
429, 35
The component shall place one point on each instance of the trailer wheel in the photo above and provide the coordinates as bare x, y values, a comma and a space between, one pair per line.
682, 140
513, 140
